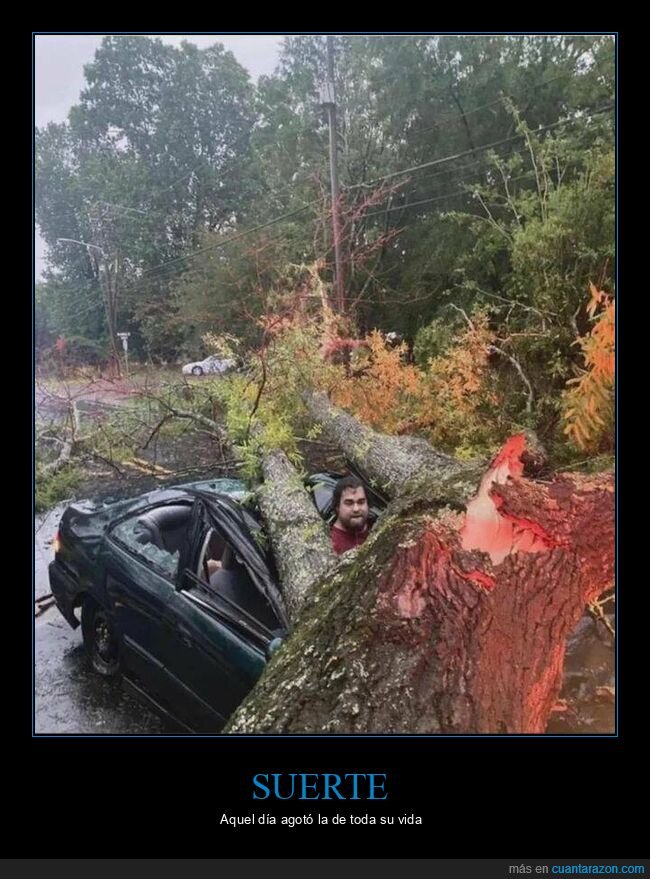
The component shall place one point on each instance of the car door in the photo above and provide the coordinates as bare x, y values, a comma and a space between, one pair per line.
214, 650
140, 583
212, 661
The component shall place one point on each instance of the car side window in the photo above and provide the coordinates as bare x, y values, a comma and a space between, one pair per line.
156, 537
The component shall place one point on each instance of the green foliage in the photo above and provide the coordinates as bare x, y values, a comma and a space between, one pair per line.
535, 252
225, 292
49, 490
155, 154
434, 339
173, 151
259, 425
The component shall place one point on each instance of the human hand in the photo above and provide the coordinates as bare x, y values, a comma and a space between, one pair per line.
213, 565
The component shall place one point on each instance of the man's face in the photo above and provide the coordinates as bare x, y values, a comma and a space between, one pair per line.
353, 509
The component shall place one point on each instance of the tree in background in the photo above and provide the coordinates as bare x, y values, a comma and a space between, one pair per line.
171, 153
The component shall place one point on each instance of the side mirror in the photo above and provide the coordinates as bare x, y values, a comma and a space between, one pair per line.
273, 646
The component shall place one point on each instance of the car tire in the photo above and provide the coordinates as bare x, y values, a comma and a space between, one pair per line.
196, 370
100, 640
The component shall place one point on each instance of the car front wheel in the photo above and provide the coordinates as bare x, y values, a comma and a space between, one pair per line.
196, 370
100, 639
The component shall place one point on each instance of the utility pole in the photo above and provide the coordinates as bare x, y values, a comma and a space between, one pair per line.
102, 230
328, 100
108, 288
110, 299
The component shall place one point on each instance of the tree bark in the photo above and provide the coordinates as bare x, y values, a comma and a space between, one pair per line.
68, 445
453, 616
394, 465
299, 537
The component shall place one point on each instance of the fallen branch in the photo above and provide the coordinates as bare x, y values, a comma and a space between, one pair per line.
530, 397
211, 425
149, 465
91, 453
156, 429
68, 445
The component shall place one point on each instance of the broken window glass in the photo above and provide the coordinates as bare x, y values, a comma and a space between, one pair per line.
137, 538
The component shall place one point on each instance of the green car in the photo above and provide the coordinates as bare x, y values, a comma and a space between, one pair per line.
178, 592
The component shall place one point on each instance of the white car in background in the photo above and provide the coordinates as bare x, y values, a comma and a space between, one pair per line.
212, 365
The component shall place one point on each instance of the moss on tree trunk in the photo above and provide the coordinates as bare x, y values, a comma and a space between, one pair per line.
453, 616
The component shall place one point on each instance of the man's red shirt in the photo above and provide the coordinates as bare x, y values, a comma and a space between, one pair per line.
344, 540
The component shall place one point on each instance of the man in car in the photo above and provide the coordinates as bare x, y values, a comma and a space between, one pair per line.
351, 526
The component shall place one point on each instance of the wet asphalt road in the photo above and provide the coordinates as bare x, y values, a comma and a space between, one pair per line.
69, 698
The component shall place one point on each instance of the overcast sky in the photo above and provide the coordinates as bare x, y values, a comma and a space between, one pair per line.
59, 78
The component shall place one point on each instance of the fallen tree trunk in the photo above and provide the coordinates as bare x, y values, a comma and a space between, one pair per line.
401, 465
299, 537
67, 446
444, 621
394, 465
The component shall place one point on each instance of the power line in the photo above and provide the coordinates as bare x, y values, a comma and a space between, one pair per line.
434, 162
304, 207
231, 239
462, 191
461, 176
463, 168
310, 129
478, 149
388, 176
128, 284
150, 214
498, 100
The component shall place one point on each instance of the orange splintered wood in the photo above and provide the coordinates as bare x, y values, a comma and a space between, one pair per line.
487, 528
